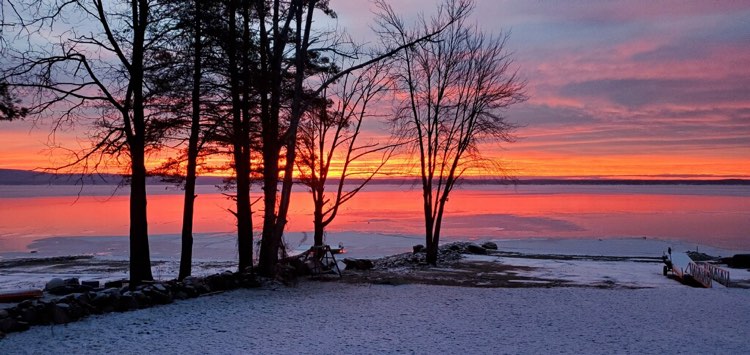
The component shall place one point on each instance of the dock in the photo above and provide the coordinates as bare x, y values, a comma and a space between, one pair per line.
697, 273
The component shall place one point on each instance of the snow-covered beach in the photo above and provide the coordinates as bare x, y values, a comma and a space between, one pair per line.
608, 304
329, 318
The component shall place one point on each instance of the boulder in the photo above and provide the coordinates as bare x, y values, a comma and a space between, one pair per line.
68, 289
738, 261
61, 313
7, 325
92, 284
111, 284
418, 248
126, 302
160, 288
73, 281
54, 283
489, 245
475, 249
358, 264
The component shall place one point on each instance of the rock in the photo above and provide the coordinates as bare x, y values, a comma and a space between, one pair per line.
191, 291
20, 326
358, 264
54, 283
111, 284
32, 315
475, 249
489, 245
160, 288
141, 298
7, 325
92, 284
61, 313
126, 302
738, 261
73, 281
4, 314
156, 296
418, 248
190, 280
68, 289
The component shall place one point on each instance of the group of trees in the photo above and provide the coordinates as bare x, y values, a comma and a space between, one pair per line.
254, 80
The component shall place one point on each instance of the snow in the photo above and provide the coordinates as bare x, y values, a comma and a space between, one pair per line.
662, 315
342, 318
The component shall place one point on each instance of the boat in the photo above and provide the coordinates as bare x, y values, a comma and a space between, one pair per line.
8, 296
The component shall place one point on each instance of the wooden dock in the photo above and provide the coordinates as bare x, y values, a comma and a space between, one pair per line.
697, 273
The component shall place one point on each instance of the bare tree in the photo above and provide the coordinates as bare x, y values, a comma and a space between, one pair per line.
456, 87
87, 62
331, 132
281, 26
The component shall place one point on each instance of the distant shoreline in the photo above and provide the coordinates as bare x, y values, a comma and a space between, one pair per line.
12, 177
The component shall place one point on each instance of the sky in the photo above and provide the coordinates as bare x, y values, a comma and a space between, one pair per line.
616, 88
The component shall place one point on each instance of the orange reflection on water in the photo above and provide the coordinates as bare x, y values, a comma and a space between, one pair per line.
711, 215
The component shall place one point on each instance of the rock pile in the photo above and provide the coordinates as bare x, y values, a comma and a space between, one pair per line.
446, 253
80, 300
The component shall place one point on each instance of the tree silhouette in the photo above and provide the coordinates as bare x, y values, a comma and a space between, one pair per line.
455, 88
332, 131
98, 74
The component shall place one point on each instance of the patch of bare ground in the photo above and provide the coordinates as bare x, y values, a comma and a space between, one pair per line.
454, 270
455, 273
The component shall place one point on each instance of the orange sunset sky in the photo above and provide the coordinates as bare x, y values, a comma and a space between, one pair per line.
617, 88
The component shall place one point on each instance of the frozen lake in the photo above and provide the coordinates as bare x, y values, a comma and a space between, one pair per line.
62, 220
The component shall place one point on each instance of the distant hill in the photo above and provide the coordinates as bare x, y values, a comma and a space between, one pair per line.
25, 177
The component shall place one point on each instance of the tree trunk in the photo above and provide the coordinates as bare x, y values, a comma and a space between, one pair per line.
432, 254
186, 255
429, 224
140, 258
240, 146
270, 96
269, 244
244, 217
318, 218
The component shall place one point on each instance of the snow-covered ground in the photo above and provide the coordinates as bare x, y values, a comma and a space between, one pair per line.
215, 254
361, 319
332, 317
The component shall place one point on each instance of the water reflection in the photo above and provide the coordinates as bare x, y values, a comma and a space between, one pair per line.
711, 215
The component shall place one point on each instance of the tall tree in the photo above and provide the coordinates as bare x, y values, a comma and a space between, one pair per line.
456, 88
285, 27
98, 74
282, 27
238, 54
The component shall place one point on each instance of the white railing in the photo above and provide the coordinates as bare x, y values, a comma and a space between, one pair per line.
717, 274
699, 273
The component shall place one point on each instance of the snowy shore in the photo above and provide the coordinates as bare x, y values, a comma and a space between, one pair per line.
608, 304
360, 319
